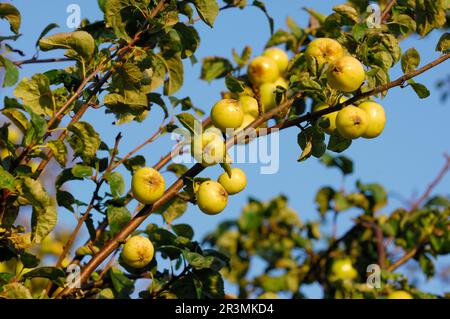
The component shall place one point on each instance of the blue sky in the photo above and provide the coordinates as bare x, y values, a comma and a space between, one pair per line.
405, 158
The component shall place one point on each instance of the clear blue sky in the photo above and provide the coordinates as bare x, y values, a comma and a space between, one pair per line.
404, 159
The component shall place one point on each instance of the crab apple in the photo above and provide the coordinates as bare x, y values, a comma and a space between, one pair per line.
346, 74
279, 56
352, 122
324, 50
208, 148
227, 113
249, 105
377, 118
267, 93
342, 269
262, 70
400, 294
147, 185
137, 252
212, 197
234, 184
330, 116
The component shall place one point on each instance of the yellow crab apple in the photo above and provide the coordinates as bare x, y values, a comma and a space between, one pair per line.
209, 148
212, 197
226, 114
342, 269
400, 294
324, 50
346, 74
352, 122
147, 185
234, 184
249, 105
137, 252
279, 56
262, 70
377, 118
330, 116
267, 93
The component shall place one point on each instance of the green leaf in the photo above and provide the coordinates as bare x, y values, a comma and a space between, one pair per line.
79, 43
176, 208
198, 261
430, 14
134, 163
233, 84
189, 37
341, 162
65, 199
175, 70
348, 13
443, 43
81, 171
189, 122
84, 140
36, 94
46, 30
7, 181
207, 10
118, 217
17, 117
56, 275
323, 198
44, 214
215, 68
337, 143
420, 89
15, 291
281, 37
260, 5
121, 283
11, 72
177, 169
10, 13
410, 60
59, 151
116, 183
184, 230
243, 59
210, 282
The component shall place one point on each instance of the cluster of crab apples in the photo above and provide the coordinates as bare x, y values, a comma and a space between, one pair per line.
235, 112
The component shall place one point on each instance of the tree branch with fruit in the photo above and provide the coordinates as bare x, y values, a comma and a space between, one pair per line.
324, 82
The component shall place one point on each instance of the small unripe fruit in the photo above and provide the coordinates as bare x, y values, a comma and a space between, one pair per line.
234, 184
227, 113
346, 74
249, 105
352, 122
377, 118
147, 185
400, 294
209, 147
137, 252
324, 50
342, 269
263, 70
279, 56
267, 93
212, 198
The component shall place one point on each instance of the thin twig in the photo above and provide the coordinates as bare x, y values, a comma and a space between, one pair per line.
387, 10
433, 184
35, 60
